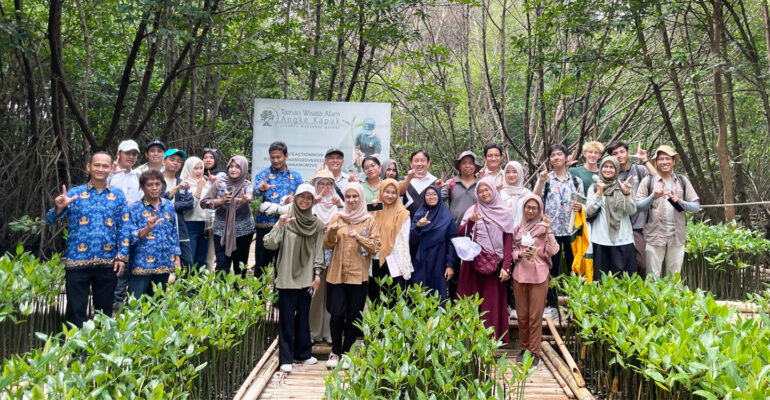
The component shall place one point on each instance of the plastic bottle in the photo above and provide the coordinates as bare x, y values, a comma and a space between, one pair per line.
364, 253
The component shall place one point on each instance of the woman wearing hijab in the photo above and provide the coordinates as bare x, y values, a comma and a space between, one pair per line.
533, 246
327, 204
298, 236
513, 190
354, 237
393, 223
490, 223
433, 254
233, 226
612, 234
210, 164
195, 219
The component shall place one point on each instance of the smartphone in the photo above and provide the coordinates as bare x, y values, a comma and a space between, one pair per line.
311, 291
371, 207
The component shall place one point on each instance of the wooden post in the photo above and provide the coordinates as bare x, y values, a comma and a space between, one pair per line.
256, 370
558, 377
567, 356
561, 367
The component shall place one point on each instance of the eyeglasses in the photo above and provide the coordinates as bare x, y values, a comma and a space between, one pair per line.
324, 184
532, 208
431, 194
370, 167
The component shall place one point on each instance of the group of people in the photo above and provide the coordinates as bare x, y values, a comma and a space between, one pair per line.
333, 238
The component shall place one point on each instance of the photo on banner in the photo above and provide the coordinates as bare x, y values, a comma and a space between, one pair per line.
309, 128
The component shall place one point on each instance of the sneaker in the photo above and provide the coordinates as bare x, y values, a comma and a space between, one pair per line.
536, 361
332, 361
520, 357
551, 312
345, 364
514, 314
286, 368
328, 339
309, 361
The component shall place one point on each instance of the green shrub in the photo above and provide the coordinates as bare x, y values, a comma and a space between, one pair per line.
30, 294
419, 349
657, 339
198, 339
724, 259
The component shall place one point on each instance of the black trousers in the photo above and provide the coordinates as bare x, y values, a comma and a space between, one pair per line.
262, 256
294, 325
239, 256
143, 284
78, 282
552, 299
345, 302
374, 289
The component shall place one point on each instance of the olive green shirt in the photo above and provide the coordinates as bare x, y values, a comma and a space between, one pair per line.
288, 242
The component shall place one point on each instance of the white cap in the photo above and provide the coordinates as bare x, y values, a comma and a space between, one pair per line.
305, 188
128, 145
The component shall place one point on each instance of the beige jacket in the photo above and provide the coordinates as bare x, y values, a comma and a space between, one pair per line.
347, 264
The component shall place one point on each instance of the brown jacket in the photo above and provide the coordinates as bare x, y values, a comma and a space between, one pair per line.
655, 227
347, 264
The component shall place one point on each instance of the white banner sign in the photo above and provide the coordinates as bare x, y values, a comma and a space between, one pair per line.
309, 128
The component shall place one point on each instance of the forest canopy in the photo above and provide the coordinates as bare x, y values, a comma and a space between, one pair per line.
78, 76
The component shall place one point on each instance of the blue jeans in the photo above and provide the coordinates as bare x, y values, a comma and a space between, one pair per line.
199, 242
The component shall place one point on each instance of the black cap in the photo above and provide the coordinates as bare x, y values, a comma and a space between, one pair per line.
155, 143
334, 150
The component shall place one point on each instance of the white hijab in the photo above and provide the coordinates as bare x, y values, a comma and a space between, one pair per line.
326, 209
513, 194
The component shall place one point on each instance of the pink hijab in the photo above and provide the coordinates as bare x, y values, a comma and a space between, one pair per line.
359, 214
530, 225
498, 219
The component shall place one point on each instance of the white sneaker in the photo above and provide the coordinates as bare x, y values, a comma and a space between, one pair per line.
286, 368
345, 364
514, 314
332, 361
551, 312
309, 361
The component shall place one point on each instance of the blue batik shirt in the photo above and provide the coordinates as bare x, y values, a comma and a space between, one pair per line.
285, 182
156, 253
98, 228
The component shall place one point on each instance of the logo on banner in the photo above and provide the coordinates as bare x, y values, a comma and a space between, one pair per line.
268, 115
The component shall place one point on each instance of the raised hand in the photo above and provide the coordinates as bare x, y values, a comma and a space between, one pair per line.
336, 201
671, 195
201, 182
352, 178
600, 186
153, 221
440, 182
546, 222
264, 186
641, 154
63, 201
626, 186
353, 233
544, 173
424, 220
322, 167
244, 198
476, 216
285, 219
572, 158
209, 177
288, 199
660, 191
483, 172
410, 174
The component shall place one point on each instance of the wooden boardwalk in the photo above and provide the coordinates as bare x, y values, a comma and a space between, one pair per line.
307, 382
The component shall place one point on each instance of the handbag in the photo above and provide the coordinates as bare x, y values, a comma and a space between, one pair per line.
486, 262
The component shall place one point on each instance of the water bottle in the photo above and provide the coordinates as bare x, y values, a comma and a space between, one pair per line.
364, 253
222, 190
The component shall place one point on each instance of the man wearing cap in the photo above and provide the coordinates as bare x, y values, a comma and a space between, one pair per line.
461, 194
334, 161
667, 196
636, 172
123, 178
154, 154
178, 192
367, 143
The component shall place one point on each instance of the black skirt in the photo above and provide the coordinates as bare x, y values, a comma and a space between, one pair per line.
615, 259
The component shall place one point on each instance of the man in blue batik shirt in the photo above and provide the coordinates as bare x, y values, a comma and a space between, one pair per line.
276, 185
98, 240
155, 251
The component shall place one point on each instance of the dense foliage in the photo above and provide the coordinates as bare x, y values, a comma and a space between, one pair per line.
419, 349
198, 339
656, 339
30, 295
727, 260
458, 74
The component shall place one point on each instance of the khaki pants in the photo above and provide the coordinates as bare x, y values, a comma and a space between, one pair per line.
672, 254
530, 303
